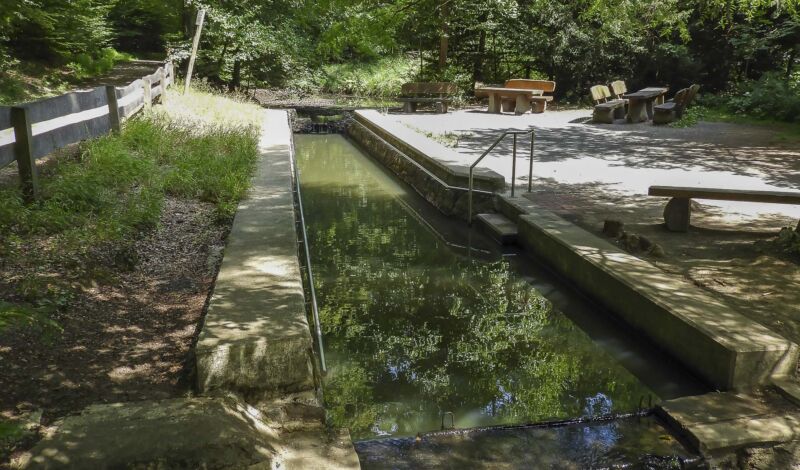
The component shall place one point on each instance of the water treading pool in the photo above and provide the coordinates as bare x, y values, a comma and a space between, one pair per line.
422, 333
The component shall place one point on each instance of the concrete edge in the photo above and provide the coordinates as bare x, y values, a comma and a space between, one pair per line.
711, 354
449, 201
455, 175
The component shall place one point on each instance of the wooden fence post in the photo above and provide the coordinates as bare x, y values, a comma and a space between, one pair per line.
163, 74
23, 148
113, 108
201, 15
147, 87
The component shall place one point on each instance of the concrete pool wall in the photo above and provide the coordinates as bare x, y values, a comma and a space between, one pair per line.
442, 184
723, 347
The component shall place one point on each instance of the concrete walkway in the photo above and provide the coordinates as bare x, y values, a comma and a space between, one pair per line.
256, 339
624, 158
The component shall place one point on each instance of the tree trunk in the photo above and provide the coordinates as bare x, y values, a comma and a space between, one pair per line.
444, 34
790, 63
236, 77
477, 68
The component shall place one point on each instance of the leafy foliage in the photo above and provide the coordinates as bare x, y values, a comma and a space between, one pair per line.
361, 46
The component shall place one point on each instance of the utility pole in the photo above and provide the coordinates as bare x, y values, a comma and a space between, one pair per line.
201, 15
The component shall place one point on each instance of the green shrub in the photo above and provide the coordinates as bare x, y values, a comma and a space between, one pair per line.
382, 78
773, 96
85, 65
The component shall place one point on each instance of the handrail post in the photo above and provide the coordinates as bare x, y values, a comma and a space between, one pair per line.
469, 197
514, 166
530, 167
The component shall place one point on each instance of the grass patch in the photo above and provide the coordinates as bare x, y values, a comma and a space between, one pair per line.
448, 139
787, 131
94, 207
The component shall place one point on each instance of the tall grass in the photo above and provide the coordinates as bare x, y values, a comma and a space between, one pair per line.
93, 208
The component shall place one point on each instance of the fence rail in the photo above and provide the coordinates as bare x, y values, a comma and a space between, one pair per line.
32, 130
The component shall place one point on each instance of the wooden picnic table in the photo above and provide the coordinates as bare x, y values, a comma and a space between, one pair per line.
496, 95
640, 104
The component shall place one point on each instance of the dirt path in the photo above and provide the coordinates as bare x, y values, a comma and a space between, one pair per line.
122, 74
125, 340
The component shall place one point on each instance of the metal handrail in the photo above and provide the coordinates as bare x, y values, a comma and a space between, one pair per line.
314, 307
502, 136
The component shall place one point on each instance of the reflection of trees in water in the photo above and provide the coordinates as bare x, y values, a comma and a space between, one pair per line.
410, 321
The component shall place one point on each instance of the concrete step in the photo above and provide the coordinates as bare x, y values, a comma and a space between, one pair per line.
513, 207
718, 422
499, 227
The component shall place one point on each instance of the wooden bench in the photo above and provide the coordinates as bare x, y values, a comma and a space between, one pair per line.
673, 109
678, 212
438, 93
606, 109
537, 101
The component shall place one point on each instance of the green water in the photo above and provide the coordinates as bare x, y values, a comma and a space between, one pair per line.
417, 333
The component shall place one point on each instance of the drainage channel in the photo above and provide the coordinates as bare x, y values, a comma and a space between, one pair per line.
426, 325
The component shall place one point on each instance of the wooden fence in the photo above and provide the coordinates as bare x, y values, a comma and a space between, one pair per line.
32, 130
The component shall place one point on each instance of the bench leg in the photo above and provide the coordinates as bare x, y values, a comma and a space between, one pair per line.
663, 116
441, 107
539, 106
409, 107
523, 104
602, 116
509, 105
677, 214
636, 111
494, 103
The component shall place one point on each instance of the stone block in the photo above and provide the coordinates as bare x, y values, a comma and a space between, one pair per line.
179, 433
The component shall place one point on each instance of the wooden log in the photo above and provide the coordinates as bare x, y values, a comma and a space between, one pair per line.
23, 147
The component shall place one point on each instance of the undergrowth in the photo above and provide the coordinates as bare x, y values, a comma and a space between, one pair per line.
382, 78
94, 207
22, 81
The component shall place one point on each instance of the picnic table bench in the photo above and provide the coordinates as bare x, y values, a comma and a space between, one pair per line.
673, 109
640, 103
605, 108
521, 95
678, 212
438, 93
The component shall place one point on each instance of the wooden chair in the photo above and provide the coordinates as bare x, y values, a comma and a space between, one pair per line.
673, 109
606, 109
